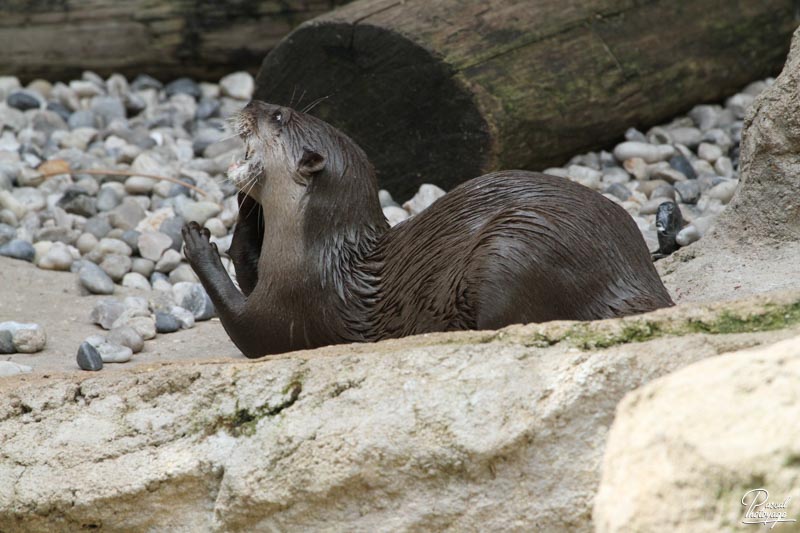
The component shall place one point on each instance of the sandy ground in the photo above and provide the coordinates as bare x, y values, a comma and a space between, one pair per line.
55, 301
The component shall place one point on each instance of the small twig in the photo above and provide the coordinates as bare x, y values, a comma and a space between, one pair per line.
102, 172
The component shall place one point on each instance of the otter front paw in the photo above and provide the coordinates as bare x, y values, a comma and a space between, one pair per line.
198, 248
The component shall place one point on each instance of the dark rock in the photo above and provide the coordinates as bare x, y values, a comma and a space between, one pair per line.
18, 249
89, 358
23, 100
6, 342
78, 202
682, 165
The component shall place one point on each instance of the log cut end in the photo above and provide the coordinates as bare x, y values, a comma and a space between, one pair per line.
384, 91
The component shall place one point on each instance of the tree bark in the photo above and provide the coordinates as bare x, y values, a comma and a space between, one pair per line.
58, 39
445, 91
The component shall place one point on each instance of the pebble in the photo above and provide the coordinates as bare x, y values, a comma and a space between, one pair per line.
650, 153
126, 336
145, 326
142, 266
184, 86
6, 342
709, 152
184, 317
724, 191
106, 312
109, 351
395, 214
198, 212
193, 297
18, 249
182, 272
153, 244
116, 265
24, 99
89, 358
426, 195
95, 279
10, 368
166, 323
169, 261
134, 280
239, 85
688, 191
26, 338
58, 257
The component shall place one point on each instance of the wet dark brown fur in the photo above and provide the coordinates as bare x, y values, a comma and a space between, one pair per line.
317, 263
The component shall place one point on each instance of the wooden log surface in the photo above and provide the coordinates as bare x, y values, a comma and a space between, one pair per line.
445, 91
58, 39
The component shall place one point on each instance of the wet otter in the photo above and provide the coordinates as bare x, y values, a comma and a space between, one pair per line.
317, 263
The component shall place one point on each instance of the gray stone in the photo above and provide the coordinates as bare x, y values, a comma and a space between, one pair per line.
169, 261
18, 249
134, 280
10, 368
89, 358
142, 266
78, 202
126, 336
109, 351
127, 215
107, 109
58, 257
143, 325
183, 86
7, 233
7, 342
182, 272
689, 191
207, 108
99, 227
153, 244
166, 323
107, 199
143, 81
131, 238
82, 119
116, 265
172, 227
193, 297
106, 312
109, 245
183, 316
95, 279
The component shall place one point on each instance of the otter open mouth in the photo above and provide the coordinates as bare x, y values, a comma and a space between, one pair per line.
241, 171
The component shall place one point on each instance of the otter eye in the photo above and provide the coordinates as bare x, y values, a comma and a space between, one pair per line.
277, 116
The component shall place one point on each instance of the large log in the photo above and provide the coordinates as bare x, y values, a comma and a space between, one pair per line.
57, 39
444, 91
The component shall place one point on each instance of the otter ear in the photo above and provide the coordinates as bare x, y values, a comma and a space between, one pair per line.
311, 162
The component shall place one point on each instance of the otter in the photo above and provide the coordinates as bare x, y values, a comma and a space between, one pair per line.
317, 264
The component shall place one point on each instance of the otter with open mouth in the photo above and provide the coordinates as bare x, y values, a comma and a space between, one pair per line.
317, 263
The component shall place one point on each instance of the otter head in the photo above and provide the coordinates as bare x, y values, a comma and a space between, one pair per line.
297, 161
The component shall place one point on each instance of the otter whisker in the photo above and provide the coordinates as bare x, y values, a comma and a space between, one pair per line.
315, 103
